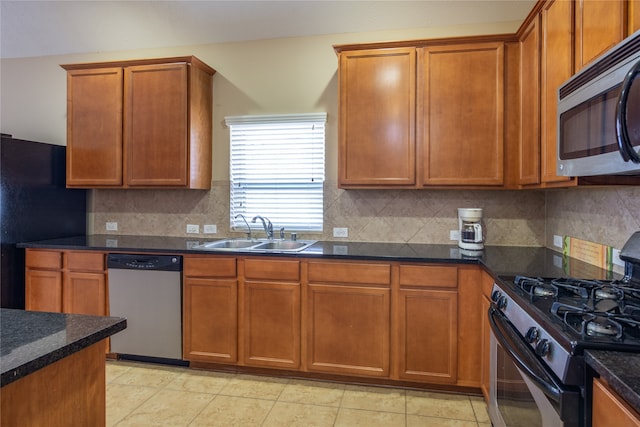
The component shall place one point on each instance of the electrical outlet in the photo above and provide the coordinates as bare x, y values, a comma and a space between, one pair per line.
193, 228
210, 229
454, 234
340, 232
111, 226
557, 241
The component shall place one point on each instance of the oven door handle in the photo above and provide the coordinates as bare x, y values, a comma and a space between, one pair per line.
522, 356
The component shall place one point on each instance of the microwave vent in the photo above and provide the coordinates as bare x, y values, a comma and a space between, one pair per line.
616, 55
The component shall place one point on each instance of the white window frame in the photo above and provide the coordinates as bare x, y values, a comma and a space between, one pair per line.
274, 176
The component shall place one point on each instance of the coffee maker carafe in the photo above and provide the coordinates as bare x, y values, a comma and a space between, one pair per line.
471, 232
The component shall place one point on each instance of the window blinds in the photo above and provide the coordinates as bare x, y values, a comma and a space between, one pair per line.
277, 170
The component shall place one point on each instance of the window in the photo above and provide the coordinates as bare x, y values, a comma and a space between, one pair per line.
277, 170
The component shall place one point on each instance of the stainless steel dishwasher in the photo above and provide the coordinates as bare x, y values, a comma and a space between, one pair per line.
147, 291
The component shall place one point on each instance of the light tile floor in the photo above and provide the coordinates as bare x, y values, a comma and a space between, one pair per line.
156, 395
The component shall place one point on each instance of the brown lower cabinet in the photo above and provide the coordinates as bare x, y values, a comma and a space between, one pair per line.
269, 312
348, 318
609, 409
210, 309
403, 322
487, 286
66, 281
427, 324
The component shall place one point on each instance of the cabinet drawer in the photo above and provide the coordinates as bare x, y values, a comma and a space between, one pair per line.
432, 276
209, 267
272, 269
85, 261
350, 273
43, 259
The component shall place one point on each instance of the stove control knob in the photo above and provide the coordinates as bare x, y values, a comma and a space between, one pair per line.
543, 348
502, 302
495, 296
532, 334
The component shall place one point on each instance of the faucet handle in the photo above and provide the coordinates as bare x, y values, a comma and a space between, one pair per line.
282, 233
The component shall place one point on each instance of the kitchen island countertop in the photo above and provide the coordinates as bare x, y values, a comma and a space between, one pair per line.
31, 340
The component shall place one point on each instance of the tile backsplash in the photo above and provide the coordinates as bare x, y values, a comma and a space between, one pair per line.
416, 216
602, 215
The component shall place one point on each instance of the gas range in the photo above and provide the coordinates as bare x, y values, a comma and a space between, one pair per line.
558, 318
561, 317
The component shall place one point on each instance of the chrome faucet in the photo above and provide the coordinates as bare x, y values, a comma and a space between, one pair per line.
268, 227
249, 233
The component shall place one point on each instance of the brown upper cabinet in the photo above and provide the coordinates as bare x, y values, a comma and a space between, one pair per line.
377, 117
401, 110
461, 114
557, 40
556, 68
529, 153
600, 24
633, 16
139, 124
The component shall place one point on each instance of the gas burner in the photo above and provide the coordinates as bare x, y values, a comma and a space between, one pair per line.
536, 287
607, 292
577, 286
595, 325
630, 290
589, 323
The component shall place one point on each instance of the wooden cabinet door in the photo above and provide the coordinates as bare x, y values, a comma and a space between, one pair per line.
486, 348
155, 126
377, 118
460, 130
43, 290
84, 293
349, 330
270, 312
43, 280
529, 164
556, 68
425, 327
94, 127
84, 287
210, 309
600, 24
428, 335
633, 15
470, 315
210, 325
609, 409
270, 327
347, 309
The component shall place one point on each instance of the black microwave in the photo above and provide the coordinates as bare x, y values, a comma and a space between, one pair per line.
599, 115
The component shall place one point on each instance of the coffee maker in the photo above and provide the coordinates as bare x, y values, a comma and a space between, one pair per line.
471, 231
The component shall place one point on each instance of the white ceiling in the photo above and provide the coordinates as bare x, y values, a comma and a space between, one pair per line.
39, 28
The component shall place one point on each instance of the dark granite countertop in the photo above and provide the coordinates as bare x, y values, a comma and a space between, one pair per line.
621, 370
499, 260
30, 340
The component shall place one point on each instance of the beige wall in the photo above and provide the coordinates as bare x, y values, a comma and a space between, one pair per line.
294, 75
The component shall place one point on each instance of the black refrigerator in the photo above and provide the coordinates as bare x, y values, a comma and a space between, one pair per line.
34, 205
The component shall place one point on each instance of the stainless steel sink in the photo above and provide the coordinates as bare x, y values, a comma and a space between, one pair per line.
262, 245
283, 245
227, 244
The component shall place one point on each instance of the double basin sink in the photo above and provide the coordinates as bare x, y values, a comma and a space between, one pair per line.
255, 245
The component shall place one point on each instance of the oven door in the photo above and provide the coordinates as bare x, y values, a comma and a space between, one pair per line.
522, 390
